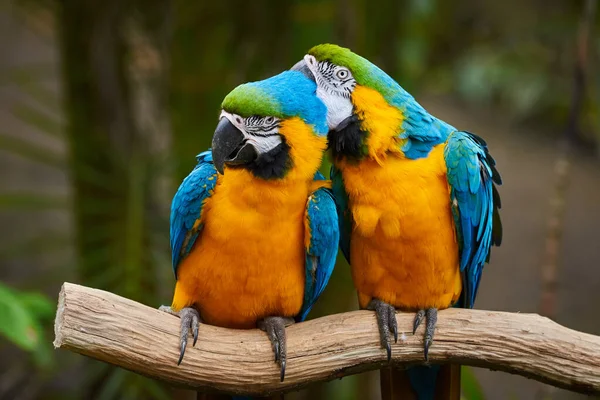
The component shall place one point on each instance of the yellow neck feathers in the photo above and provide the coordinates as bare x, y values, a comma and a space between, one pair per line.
306, 152
381, 120
306, 149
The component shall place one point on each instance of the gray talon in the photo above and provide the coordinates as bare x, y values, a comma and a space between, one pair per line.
418, 318
431, 315
393, 323
182, 351
275, 329
282, 373
190, 319
386, 322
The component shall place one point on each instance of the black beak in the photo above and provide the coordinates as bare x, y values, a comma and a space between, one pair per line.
302, 67
229, 146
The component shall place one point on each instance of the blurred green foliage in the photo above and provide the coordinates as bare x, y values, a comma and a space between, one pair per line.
142, 83
471, 389
22, 316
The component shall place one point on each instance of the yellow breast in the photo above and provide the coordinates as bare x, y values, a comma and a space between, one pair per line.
248, 262
403, 244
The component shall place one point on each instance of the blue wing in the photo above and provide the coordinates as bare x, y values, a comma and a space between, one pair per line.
475, 203
344, 215
186, 208
324, 235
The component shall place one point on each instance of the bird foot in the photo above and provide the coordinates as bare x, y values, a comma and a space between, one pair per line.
275, 329
190, 319
386, 320
430, 316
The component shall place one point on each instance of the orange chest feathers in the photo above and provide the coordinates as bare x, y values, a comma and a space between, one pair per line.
403, 242
248, 262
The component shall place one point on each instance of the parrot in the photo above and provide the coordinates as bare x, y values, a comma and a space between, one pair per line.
253, 228
417, 203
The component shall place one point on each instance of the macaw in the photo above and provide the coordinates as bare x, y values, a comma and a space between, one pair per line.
254, 231
417, 201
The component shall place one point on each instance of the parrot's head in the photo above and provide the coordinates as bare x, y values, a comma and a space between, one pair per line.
272, 127
354, 89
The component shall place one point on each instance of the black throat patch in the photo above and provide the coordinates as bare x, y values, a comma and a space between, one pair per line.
348, 140
273, 164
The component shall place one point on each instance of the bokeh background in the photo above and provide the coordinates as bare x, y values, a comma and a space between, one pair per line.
104, 105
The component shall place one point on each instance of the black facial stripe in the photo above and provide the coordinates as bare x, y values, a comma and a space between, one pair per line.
273, 164
329, 67
266, 128
256, 123
345, 92
252, 120
256, 134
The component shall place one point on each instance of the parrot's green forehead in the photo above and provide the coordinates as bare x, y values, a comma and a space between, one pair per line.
287, 95
339, 56
365, 72
247, 100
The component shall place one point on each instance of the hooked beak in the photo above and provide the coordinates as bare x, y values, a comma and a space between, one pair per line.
303, 67
230, 147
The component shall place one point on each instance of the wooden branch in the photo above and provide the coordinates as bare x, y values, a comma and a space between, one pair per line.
120, 331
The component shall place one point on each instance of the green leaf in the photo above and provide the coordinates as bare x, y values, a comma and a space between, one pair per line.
471, 389
17, 323
38, 305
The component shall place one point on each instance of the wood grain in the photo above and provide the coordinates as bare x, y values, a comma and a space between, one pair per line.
131, 335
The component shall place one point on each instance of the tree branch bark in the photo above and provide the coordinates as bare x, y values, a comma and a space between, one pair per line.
131, 335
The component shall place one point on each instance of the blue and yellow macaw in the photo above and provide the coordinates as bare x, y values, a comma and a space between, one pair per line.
254, 231
416, 199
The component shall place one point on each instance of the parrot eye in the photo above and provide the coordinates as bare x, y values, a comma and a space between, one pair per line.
342, 74
269, 120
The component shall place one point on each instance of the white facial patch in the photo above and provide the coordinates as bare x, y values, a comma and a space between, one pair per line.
338, 107
262, 137
334, 87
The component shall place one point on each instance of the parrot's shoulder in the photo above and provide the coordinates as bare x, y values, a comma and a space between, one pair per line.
187, 204
420, 130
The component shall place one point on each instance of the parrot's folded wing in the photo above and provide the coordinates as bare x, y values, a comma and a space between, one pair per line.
344, 214
475, 203
186, 208
322, 238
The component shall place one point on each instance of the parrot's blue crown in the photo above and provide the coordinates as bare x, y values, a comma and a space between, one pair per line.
289, 94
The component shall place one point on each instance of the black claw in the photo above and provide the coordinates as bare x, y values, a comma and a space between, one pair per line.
388, 349
393, 324
418, 318
282, 373
426, 349
182, 351
195, 329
